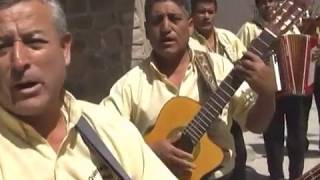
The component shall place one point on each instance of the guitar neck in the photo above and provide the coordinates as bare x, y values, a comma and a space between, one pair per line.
312, 174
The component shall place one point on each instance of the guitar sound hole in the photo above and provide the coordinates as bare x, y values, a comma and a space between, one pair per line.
185, 142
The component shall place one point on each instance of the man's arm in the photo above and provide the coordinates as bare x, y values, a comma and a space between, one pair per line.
119, 98
261, 79
261, 113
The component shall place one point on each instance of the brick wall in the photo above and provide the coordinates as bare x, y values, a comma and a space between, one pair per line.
101, 51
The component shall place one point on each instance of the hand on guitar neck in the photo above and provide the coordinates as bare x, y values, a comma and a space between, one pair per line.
257, 74
177, 160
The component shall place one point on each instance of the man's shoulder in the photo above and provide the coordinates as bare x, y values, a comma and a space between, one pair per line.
106, 120
95, 111
249, 24
132, 75
228, 38
225, 32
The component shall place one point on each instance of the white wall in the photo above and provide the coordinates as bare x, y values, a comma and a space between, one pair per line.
233, 13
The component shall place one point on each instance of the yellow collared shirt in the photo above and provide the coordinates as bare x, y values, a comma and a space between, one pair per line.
26, 155
228, 44
141, 93
249, 31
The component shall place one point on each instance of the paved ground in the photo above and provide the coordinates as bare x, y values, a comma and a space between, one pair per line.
256, 162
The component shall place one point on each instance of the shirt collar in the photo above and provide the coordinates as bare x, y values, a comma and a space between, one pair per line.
196, 35
153, 63
21, 129
220, 45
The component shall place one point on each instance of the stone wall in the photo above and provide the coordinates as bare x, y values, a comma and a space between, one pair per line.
101, 51
141, 47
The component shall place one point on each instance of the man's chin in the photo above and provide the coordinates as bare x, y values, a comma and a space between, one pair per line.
206, 28
167, 51
30, 107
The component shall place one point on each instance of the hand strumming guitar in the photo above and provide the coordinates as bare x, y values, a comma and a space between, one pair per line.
177, 160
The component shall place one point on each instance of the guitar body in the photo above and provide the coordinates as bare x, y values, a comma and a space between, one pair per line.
173, 117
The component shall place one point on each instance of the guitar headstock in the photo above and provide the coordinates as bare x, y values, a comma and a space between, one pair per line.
288, 13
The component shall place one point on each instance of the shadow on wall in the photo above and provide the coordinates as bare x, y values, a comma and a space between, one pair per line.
101, 51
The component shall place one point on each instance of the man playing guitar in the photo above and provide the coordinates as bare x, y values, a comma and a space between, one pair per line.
170, 72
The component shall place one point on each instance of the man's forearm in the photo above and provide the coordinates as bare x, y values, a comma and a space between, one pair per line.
261, 114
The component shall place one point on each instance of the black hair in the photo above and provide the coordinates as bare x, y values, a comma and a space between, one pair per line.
195, 2
185, 4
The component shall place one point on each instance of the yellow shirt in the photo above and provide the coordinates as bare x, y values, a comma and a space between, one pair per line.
228, 44
26, 155
141, 93
249, 31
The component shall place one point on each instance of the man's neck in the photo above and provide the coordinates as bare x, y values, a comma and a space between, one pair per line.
207, 34
174, 67
51, 125
210, 39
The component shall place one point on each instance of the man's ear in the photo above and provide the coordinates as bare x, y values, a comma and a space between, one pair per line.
66, 41
191, 27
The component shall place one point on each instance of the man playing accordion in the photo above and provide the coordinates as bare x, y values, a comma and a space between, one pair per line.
293, 108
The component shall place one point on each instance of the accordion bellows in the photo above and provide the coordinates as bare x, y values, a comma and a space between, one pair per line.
295, 56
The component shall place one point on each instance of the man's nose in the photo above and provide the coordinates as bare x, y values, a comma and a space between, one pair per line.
206, 14
19, 59
165, 25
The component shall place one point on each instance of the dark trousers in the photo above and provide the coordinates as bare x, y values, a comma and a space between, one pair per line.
294, 110
239, 172
317, 92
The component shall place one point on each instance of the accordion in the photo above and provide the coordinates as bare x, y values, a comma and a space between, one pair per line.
296, 64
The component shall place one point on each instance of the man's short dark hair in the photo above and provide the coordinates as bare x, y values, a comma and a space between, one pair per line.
185, 4
195, 2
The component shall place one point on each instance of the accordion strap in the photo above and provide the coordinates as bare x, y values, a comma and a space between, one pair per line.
94, 143
205, 66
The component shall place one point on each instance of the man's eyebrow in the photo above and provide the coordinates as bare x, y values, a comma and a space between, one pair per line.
5, 36
33, 32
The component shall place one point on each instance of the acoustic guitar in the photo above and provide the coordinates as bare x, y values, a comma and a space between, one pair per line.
193, 120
